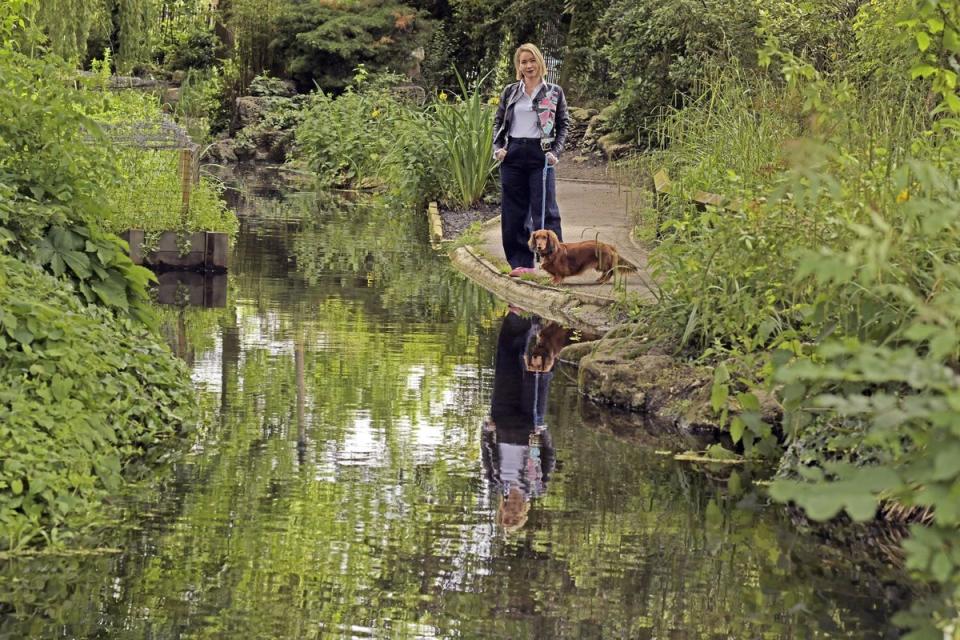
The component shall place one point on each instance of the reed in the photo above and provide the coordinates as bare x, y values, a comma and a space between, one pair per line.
465, 132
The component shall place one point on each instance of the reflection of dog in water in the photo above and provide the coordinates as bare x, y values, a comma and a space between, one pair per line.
541, 353
564, 259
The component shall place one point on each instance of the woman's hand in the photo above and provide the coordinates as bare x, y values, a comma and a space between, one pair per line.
500, 154
551, 159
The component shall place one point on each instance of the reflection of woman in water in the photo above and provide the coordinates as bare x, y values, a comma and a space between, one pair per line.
517, 448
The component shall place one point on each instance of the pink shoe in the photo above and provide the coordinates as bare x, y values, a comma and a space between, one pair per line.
519, 271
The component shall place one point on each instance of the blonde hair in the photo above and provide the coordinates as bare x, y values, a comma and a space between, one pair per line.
512, 511
532, 49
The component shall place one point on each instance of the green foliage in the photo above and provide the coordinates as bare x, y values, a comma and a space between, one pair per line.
81, 394
320, 44
254, 26
485, 34
372, 137
98, 264
200, 104
195, 48
347, 139
717, 279
265, 85
660, 48
935, 28
72, 27
64, 192
52, 177
831, 271
149, 197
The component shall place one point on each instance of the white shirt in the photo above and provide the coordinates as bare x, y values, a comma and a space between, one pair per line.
524, 123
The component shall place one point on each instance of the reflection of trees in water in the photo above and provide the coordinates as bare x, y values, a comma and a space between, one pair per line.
282, 526
317, 244
624, 543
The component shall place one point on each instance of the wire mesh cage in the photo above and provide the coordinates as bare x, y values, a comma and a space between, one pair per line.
159, 166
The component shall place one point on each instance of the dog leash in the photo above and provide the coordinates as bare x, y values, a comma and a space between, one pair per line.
543, 199
543, 193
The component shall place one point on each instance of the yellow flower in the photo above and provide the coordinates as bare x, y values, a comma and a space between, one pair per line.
903, 196
442, 96
494, 100
375, 113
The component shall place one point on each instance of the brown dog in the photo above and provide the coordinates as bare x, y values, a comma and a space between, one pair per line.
541, 354
564, 259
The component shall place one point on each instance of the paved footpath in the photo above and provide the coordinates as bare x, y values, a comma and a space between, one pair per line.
587, 210
590, 210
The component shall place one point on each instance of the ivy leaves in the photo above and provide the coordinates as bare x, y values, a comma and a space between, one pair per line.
99, 265
82, 391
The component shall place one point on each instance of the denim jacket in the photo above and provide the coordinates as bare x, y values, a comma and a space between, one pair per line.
551, 107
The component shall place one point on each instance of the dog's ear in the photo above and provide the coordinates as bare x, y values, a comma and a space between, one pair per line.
553, 242
532, 242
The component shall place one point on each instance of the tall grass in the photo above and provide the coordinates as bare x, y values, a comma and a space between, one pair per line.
796, 179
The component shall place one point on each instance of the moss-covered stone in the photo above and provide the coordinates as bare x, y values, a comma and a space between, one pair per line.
635, 374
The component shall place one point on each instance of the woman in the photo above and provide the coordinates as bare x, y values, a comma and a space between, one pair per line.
529, 131
517, 449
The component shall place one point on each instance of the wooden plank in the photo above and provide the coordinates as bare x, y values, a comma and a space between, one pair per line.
217, 250
192, 288
200, 251
661, 182
705, 198
134, 239
436, 224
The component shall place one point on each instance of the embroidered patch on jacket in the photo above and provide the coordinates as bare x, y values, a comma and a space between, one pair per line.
547, 111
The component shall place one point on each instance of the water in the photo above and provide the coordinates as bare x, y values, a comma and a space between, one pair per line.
368, 472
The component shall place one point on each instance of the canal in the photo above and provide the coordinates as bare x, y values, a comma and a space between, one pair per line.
390, 452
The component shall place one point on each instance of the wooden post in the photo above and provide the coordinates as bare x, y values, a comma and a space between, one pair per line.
186, 182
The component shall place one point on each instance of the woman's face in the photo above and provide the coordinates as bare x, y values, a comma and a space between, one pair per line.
529, 68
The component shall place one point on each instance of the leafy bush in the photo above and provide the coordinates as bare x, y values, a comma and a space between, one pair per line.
659, 48
320, 44
370, 137
149, 197
200, 105
81, 393
53, 169
193, 48
832, 276
264, 85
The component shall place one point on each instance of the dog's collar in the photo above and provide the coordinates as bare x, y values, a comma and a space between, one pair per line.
546, 253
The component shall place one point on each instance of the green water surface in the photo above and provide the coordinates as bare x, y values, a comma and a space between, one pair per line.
345, 485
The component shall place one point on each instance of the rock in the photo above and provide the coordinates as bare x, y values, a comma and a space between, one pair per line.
221, 152
288, 90
613, 146
263, 86
171, 96
630, 373
250, 109
579, 114
271, 146
576, 351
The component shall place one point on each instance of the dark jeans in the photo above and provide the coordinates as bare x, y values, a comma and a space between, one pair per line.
521, 181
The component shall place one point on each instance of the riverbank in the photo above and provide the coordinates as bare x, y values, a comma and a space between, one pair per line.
629, 369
